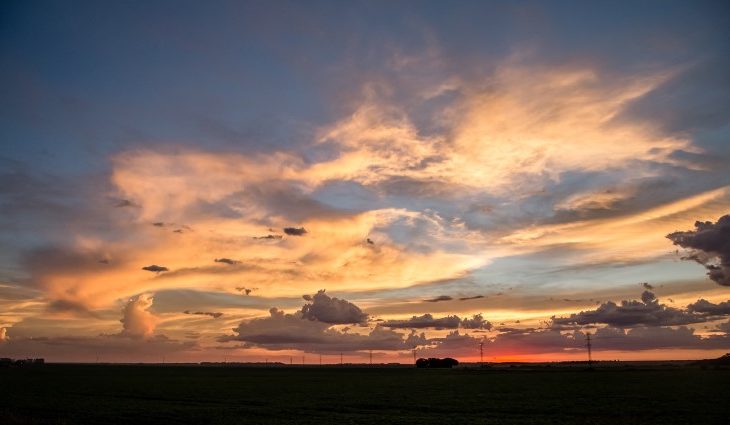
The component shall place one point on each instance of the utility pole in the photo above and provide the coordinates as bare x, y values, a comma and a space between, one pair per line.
341, 362
302, 360
414, 355
320, 359
588, 345
371, 357
481, 354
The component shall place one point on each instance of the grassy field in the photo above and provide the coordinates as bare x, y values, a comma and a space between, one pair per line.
80, 394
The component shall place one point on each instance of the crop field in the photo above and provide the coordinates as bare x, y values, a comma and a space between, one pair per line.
133, 394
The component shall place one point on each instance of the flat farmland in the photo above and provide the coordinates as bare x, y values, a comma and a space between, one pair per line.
134, 394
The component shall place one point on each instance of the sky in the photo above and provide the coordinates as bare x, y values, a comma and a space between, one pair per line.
269, 181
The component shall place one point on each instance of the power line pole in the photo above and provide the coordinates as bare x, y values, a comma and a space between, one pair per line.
414, 355
371, 357
481, 354
320, 359
341, 362
588, 345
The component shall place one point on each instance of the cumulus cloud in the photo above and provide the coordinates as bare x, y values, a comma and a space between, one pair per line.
425, 321
295, 231
155, 268
332, 310
709, 245
632, 313
703, 306
137, 320
282, 331
214, 315
476, 322
447, 322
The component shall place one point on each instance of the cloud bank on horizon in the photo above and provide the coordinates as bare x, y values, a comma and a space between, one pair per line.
450, 184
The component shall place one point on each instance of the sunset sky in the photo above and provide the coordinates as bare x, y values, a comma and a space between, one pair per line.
256, 181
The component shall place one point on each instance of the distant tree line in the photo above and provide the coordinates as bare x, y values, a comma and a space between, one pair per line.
433, 362
6, 362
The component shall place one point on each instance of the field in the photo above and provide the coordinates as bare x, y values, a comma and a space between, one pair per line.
106, 394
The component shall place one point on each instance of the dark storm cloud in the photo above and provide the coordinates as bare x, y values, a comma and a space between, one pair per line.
214, 315
332, 310
295, 231
628, 314
439, 299
226, 261
709, 245
447, 322
155, 268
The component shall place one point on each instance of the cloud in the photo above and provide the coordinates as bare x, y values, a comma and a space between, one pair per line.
703, 306
295, 231
281, 331
3, 335
439, 299
475, 297
476, 322
332, 310
724, 327
104, 348
69, 306
155, 268
205, 313
268, 237
425, 321
447, 322
709, 245
628, 314
124, 203
226, 261
647, 286
137, 320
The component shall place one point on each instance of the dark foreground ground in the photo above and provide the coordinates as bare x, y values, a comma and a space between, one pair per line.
81, 394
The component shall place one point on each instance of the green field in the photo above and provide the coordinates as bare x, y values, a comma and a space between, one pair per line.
79, 394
